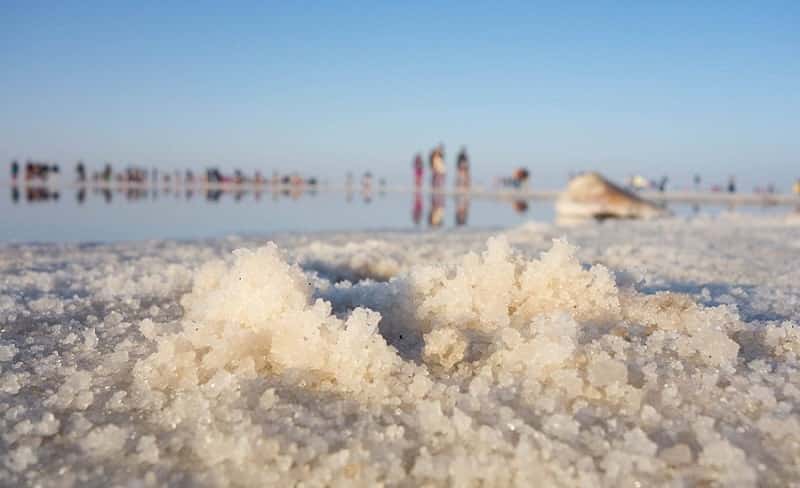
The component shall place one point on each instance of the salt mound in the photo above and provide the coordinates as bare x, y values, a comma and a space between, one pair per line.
528, 367
257, 318
591, 196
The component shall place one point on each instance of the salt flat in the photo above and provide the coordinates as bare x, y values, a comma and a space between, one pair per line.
663, 353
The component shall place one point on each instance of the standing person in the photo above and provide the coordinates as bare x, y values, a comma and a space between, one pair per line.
431, 166
14, 171
53, 179
366, 182
438, 167
419, 170
731, 185
696, 182
462, 170
366, 187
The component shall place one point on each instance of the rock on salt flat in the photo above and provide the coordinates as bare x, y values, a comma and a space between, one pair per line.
650, 353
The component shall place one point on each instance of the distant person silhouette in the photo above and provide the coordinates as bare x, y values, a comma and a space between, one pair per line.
438, 168
462, 170
419, 170
14, 171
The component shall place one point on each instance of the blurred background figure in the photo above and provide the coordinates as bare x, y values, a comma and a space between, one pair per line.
416, 209
436, 215
438, 168
14, 171
366, 183
638, 182
662, 185
463, 179
419, 171
53, 176
462, 210
519, 179
731, 185
796, 187
696, 182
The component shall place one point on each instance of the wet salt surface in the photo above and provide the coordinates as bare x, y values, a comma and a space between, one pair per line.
199, 216
658, 353
98, 216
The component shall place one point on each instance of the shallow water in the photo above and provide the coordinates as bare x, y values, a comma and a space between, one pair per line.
93, 215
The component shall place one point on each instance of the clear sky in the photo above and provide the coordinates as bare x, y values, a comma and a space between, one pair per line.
324, 87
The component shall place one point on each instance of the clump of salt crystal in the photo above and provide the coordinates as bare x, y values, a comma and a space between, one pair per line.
7, 352
258, 315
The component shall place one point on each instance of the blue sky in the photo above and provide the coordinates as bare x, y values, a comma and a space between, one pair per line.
325, 87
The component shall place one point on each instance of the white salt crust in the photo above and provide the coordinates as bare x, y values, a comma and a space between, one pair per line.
655, 354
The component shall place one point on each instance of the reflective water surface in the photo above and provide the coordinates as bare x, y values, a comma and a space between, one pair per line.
39, 214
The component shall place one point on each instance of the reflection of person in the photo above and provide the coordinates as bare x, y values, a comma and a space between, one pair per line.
416, 211
462, 210
436, 215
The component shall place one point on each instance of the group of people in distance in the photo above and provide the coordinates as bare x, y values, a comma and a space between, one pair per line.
38, 174
34, 172
438, 169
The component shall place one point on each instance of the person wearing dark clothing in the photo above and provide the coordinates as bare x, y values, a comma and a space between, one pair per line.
462, 170
81, 170
14, 171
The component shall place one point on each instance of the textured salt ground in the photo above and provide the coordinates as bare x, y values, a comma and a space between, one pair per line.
141, 364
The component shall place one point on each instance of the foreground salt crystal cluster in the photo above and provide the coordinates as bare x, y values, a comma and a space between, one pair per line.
496, 369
